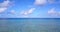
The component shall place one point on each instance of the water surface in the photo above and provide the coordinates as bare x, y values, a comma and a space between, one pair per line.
30, 25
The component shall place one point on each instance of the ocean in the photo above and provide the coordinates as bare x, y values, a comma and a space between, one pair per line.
30, 25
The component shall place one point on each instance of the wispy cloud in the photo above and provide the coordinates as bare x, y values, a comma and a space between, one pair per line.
30, 11
51, 1
12, 12
4, 5
54, 1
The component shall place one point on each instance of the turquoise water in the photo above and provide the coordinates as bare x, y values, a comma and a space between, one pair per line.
30, 25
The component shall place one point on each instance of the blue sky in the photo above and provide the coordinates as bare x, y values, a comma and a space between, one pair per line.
29, 8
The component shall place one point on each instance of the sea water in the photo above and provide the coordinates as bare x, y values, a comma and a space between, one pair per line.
30, 25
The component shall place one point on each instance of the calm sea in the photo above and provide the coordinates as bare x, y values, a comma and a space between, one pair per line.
30, 25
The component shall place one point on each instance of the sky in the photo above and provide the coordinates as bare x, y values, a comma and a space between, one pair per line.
29, 8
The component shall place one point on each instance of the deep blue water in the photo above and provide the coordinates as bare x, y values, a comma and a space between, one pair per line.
30, 25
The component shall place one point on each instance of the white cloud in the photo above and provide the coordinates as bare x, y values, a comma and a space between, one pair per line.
24, 13
40, 2
44, 2
2, 9
4, 5
53, 12
30, 11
